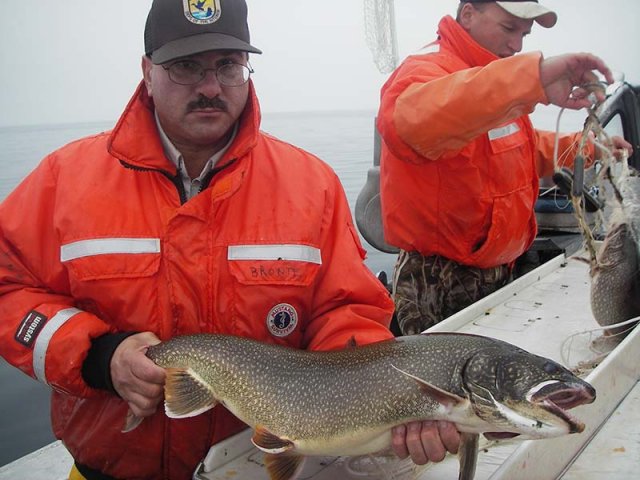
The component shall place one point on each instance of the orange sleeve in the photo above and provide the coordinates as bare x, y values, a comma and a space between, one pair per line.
446, 113
42, 332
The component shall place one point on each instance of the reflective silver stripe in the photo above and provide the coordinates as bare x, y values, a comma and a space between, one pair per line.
505, 131
42, 342
102, 246
297, 253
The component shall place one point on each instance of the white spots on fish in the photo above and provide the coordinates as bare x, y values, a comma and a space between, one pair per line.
345, 399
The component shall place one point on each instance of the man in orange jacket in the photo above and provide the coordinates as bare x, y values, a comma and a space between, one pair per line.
460, 159
184, 218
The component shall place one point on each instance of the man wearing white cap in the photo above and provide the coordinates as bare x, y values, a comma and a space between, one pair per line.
461, 162
527, 10
184, 218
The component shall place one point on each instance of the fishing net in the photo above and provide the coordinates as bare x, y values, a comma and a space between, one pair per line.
380, 33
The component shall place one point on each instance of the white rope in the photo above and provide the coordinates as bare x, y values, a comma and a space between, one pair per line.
565, 348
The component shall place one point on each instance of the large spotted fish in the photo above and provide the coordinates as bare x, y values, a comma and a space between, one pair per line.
615, 272
345, 403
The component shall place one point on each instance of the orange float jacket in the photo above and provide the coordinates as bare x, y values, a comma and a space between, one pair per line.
97, 240
460, 159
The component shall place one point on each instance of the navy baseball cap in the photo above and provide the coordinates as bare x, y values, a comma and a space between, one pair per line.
179, 28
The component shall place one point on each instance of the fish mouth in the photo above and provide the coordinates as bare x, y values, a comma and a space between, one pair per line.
500, 435
558, 397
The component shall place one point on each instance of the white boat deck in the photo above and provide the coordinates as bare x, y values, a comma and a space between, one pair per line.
544, 312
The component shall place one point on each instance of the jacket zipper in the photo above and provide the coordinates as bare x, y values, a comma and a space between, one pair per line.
177, 181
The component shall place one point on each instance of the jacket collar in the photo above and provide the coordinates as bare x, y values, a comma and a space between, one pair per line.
136, 141
454, 37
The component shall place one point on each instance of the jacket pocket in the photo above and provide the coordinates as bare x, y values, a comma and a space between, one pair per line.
511, 232
109, 258
285, 264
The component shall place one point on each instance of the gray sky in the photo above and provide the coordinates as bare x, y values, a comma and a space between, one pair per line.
79, 60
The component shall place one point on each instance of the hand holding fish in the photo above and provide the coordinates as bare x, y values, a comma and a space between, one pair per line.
346, 403
427, 441
568, 80
135, 377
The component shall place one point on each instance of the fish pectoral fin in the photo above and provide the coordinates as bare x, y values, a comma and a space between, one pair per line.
468, 455
131, 422
270, 443
186, 394
443, 397
283, 467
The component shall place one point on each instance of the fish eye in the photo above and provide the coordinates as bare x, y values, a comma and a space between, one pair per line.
550, 368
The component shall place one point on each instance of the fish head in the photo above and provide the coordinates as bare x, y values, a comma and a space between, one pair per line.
524, 394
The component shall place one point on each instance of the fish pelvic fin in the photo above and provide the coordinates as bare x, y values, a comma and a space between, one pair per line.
443, 397
186, 394
131, 422
468, 455
283, 467
270, 443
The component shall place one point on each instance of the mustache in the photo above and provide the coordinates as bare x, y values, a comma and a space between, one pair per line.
205, 102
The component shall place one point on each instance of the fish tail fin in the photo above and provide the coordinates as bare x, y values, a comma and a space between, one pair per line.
468, 455
285, 466
186, 394
131, 422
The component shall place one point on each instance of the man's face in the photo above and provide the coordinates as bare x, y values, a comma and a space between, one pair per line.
494, 28
202, 114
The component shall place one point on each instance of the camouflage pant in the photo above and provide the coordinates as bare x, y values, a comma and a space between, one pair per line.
426, 290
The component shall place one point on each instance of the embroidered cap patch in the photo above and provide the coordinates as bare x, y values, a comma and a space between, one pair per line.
282, 320
202, 11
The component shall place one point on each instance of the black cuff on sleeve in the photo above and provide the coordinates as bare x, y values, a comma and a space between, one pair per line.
96, 369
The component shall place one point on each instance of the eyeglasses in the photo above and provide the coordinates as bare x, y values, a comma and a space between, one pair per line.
190, 72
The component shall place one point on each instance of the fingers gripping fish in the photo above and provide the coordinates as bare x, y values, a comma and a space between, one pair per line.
345, 403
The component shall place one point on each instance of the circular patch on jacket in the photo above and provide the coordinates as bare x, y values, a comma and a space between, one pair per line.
282, 320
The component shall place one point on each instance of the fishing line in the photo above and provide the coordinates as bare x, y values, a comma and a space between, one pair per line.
593, 133
556, 162
567, 344
556, 142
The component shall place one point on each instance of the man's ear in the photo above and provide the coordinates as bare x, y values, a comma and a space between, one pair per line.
146, 73
466, 15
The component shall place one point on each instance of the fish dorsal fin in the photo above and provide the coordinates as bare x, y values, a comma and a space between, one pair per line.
283, 467
270, 443
441, 396
186, 394
468, 455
